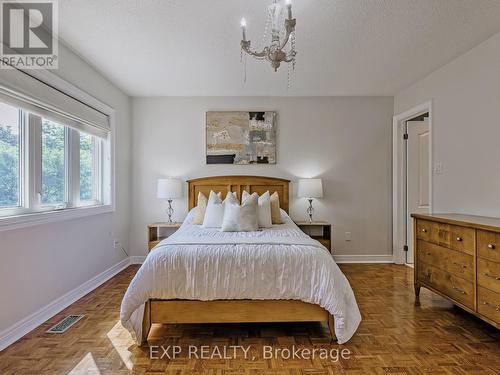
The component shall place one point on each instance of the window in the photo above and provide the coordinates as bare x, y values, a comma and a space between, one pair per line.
56, 150
10, 156
53, 164
46, 165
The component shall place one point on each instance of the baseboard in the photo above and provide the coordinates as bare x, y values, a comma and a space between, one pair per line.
363, 258
137, 259
26, 325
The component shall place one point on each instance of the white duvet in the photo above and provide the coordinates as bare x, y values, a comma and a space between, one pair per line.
280, 262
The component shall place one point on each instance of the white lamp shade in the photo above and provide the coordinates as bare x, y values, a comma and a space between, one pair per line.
310, 188
169, 188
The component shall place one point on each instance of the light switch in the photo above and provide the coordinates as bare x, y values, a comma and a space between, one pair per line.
348, 236
438, 168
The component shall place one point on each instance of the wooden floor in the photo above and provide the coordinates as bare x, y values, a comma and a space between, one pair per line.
395, 337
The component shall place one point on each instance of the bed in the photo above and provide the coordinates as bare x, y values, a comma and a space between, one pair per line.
203, 275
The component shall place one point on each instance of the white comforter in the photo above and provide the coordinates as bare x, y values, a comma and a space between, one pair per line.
276, 263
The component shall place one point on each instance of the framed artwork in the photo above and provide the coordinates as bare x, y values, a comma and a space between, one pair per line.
238, 137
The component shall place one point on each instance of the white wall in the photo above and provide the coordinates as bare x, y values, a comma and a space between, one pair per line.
466, 129
41, 263
344, 140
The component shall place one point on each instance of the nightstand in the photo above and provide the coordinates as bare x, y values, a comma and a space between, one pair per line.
160, 231
318, 230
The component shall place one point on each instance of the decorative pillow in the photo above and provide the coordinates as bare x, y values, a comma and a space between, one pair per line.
275, 209
199, 212
201, 206
263, 209
215, 210
241, 218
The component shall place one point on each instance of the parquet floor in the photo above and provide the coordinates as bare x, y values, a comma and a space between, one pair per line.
395, 337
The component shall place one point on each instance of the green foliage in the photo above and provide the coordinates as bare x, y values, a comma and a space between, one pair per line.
53, 165
9, 167
86, 167
53, 171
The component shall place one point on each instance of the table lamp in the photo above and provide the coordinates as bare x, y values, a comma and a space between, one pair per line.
310, 188
169, 189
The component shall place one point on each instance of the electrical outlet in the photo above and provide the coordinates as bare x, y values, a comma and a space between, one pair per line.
348, 236
118, 245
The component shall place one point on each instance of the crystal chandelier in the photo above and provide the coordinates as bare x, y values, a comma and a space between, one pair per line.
279, 50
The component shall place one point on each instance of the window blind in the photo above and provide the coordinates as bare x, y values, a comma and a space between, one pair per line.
22, 90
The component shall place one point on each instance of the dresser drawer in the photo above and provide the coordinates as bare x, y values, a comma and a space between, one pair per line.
452, 261
452, 286
488, 245
488, 304
488, 274
457, 238
427, 231
462, 239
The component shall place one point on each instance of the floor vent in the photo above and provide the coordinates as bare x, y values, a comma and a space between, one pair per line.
65, 324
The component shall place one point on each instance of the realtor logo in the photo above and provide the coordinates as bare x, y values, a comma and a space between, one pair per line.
29, 34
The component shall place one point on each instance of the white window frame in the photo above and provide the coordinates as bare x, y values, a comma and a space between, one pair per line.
37, 176
26, 216
97, 198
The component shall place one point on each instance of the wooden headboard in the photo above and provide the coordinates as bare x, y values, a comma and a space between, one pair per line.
237, 184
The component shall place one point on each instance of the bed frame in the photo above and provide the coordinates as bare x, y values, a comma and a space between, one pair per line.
233, 311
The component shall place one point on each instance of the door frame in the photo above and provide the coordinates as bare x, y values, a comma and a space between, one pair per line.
399, 192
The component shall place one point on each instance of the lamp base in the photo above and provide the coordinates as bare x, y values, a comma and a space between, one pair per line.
170, 212
310, 210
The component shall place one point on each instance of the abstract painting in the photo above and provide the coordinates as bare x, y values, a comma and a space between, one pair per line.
236, 137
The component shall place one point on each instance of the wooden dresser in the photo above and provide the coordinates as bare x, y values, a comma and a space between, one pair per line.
458, 257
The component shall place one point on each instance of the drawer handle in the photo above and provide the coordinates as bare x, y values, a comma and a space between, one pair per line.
428, 253
459, 290
491, 276
491, 246
424, 230
460, 239
461, 265
497, 308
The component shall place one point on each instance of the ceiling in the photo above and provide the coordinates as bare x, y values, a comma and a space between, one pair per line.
345, 47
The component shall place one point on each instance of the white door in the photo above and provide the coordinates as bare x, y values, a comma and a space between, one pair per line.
418, 176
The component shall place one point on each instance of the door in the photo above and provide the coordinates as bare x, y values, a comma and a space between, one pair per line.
418, 176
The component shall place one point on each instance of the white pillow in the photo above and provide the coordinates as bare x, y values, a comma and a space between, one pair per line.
189, 217
264, 209
241, 218
214, 212
201, 206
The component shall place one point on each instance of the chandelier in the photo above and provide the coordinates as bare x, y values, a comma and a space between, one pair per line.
278, 50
